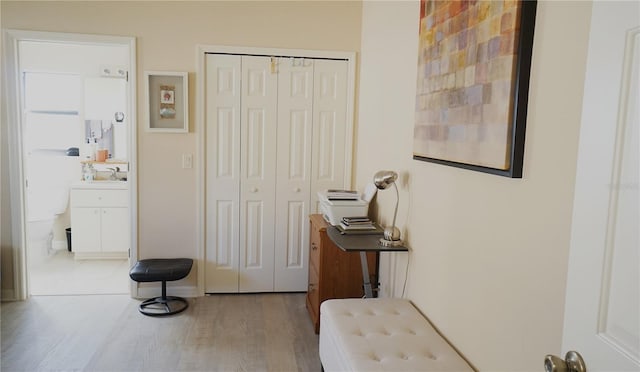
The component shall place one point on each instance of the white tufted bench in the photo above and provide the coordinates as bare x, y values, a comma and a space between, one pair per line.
380, 334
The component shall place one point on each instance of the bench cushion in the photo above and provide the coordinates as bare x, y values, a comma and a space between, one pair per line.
382, 335
160, 269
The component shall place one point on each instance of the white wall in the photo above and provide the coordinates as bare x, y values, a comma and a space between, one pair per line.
488, 258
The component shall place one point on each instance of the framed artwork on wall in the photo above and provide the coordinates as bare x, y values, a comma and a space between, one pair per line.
473, 81
167, 101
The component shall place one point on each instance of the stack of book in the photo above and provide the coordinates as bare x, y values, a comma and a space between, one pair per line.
342, 195
356, 224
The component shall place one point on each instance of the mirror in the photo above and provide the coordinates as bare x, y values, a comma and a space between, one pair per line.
105, 102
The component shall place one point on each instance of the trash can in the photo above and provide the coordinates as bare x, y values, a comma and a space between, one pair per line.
68, 230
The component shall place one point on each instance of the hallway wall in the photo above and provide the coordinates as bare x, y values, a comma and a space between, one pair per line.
488, 260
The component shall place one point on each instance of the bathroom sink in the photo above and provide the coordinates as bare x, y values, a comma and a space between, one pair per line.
106, 181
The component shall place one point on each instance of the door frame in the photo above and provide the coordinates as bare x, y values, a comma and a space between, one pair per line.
201, 51
12, 93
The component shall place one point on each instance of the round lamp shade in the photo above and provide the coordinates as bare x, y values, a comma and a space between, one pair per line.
383, 179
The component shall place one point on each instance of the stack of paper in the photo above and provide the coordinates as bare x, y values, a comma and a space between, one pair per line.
357, 223
342, 195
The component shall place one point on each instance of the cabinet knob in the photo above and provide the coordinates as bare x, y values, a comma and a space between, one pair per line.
297, 189
254, 189
314, 246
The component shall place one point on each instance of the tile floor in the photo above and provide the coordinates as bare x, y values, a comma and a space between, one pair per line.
56, 272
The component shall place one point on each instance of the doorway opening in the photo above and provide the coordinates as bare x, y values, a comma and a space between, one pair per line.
74, 95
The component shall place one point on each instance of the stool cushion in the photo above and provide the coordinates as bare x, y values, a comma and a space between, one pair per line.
382, 334
161, 269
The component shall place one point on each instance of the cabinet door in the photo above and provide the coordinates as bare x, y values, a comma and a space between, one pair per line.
85, 230
115, 229
295, 114
222, 118
313, 297
258, 173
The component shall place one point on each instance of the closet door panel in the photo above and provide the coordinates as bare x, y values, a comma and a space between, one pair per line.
258, 174
254, 238
256, 146
330, 128
224, 255
222, 118
295, 115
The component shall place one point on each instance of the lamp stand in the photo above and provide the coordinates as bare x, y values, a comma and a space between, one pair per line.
392, 233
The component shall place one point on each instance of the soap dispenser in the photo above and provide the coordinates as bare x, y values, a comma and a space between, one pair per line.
89, 172
86, 150
94, 148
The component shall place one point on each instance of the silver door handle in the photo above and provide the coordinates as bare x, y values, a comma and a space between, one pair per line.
572, 362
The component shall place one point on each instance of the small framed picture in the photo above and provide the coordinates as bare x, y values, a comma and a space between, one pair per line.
167, 101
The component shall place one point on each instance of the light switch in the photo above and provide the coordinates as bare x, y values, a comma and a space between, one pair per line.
187, 161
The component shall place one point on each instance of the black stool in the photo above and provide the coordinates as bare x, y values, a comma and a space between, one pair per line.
162, 270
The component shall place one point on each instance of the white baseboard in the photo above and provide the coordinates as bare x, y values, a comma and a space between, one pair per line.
183, 291
8, 295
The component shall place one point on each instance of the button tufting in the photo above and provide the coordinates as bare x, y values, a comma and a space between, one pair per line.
376, 327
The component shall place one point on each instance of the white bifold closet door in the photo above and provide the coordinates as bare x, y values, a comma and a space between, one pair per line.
295, 129
275, 136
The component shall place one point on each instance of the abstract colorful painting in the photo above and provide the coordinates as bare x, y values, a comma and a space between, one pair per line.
473, 81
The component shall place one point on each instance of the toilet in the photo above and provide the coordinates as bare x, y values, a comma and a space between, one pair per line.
50, 178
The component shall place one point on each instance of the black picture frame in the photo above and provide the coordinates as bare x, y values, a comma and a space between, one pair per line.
519, 102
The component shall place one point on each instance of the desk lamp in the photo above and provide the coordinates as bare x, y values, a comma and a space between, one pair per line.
383, 179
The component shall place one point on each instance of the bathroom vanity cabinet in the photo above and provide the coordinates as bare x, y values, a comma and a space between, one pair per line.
100, 220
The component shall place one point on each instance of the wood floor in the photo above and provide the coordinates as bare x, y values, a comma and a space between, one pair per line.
240, 332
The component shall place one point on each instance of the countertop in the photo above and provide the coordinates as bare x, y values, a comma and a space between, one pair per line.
118, 185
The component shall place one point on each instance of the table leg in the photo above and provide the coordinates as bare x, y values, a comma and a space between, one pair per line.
366, 280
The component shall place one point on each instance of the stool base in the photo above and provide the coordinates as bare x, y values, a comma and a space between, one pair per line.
162, 306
